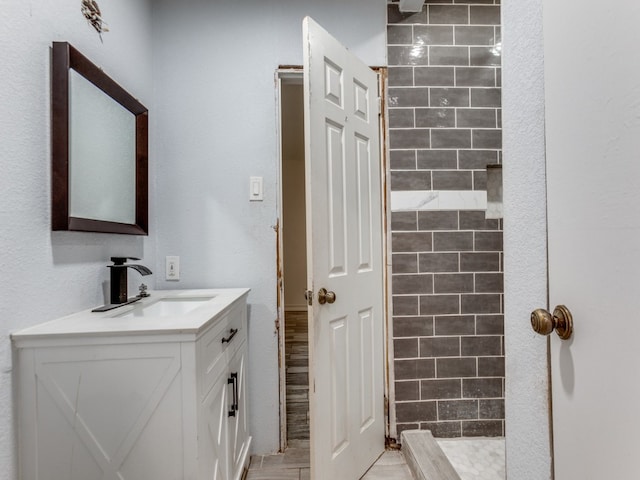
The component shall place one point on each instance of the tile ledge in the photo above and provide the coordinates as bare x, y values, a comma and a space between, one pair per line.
425, 458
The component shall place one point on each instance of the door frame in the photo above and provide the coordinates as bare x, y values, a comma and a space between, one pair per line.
294, 73
282, 74
527, 386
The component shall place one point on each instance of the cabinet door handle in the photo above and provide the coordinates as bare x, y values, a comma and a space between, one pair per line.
233, 379
233, 332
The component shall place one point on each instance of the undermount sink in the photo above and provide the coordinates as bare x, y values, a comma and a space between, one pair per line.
166, 307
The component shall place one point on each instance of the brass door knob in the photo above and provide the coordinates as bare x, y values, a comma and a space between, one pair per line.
561, 321
325, 296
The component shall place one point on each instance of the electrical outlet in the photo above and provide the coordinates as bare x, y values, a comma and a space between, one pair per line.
172, 271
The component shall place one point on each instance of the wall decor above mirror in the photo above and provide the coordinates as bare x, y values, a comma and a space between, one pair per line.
99, 149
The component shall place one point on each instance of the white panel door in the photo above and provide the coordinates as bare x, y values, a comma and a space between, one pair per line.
592, 83
344, 233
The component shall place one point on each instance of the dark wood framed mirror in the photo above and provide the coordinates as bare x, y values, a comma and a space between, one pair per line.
99, 149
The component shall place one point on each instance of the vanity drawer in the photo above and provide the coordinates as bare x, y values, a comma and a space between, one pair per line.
218, 345
236, 330
210, 354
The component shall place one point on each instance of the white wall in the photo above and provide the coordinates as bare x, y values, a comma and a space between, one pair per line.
214, 66
525, 241
49, 274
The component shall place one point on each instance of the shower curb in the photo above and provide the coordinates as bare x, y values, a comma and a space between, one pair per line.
425, 458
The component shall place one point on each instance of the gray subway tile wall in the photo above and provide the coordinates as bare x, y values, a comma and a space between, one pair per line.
444, 102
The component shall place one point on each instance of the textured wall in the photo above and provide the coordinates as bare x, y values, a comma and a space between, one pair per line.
214, 70
49, 274
444, 121
527, 421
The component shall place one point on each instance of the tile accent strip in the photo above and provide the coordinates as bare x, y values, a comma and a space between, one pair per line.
412, 200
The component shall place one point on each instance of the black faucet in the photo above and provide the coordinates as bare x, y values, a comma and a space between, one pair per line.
119, 278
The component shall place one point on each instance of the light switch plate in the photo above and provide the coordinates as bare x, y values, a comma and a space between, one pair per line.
255, 189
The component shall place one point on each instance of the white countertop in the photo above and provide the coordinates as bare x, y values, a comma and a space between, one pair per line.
119, 321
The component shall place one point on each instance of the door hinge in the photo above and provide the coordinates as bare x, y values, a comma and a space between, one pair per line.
308, 296
379, 106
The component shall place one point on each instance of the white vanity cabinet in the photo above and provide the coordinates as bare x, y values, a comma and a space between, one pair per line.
130, 395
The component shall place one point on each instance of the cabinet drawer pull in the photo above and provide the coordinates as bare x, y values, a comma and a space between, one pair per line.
234, 406
233, 332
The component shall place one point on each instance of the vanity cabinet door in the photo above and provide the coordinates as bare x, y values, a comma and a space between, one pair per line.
223, 437
214, 431
238, 429
100, 411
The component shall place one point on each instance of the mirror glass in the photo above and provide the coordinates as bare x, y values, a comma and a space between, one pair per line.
99, 149
102, 155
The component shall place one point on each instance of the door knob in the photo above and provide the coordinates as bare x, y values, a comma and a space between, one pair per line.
561, 321
325, 297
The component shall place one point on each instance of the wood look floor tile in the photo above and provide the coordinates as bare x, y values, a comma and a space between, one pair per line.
296, 339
